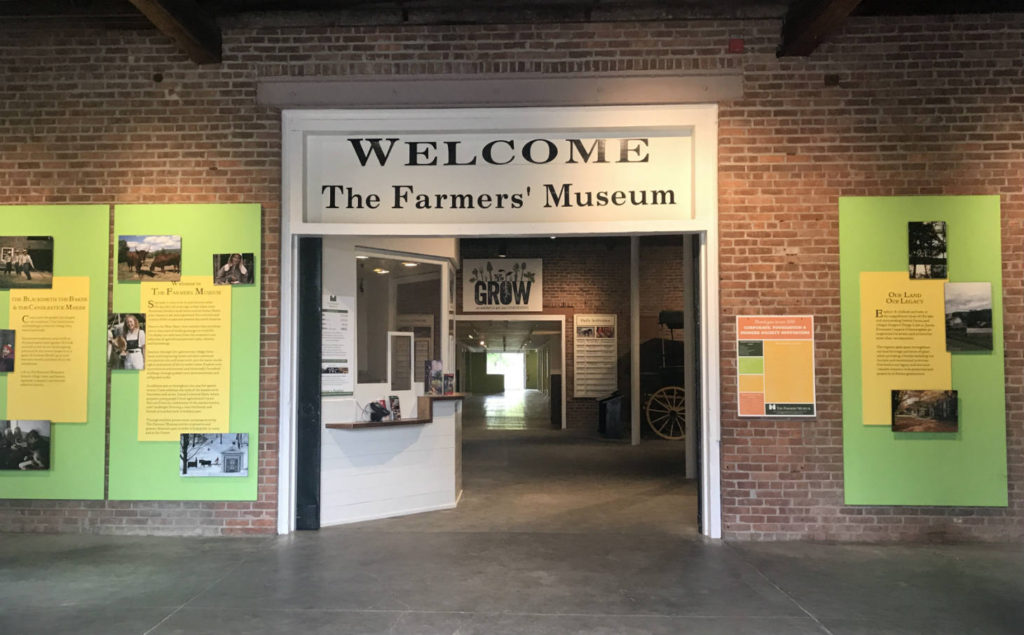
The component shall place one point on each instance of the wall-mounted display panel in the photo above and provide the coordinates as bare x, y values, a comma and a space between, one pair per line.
956, 453
53, 296
201, 375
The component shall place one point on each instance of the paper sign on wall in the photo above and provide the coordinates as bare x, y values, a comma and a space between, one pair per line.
775, 365
336, 337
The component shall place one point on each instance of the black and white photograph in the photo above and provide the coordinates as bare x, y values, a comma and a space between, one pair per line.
155, 258
233, 268
24, 445
927, 249
214, 454
126, 341
6, 351
26, 262
968, 316
924, 411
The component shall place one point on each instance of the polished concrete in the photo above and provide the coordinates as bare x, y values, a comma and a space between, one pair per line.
557, 533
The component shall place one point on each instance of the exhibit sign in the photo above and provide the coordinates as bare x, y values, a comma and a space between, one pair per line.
336, 322
923, 369
198, 373
185, 386
53, 352
595, 355
775, 365
505, 285
473, 177
903, 340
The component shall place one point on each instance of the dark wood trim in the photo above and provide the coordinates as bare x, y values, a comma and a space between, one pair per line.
195, 32
307, 367
809, 23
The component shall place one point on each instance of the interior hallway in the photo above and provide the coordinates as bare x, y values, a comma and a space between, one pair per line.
557, 533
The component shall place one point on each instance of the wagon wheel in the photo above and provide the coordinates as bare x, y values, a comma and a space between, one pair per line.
666, 413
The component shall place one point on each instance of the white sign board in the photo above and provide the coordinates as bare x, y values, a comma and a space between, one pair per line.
533, 171
505, 285
595, 356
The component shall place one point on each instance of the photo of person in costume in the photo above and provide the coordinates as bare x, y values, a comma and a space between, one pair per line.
233, 268
126, 341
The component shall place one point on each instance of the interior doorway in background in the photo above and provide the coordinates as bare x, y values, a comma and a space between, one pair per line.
510, 365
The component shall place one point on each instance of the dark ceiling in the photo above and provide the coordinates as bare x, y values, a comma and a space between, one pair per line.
195, 24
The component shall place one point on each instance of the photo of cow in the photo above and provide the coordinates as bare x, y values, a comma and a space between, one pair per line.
150, 258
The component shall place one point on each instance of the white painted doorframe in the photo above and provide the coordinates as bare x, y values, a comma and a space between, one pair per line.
701, 119
519, 317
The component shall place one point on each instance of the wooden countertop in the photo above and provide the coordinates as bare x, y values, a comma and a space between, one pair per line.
424, 406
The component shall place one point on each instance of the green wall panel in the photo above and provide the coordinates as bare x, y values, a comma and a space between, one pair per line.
81, 235
881, 467
148, 470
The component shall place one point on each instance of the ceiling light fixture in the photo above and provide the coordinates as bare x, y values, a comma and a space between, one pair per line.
410, 264
380, 271
361, 257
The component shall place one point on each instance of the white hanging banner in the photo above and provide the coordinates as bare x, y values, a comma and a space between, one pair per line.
505, 285
595, 356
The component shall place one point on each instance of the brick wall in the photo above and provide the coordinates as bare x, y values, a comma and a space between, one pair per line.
889, 106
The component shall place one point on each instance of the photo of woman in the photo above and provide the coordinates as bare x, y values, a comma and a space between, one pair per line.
232, 268
126, 341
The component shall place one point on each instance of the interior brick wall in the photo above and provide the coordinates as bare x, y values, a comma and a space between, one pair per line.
891, 106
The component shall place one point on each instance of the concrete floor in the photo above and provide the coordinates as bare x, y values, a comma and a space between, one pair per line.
557, 533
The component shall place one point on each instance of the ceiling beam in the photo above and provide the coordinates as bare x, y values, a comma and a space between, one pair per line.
808, 24
195, 31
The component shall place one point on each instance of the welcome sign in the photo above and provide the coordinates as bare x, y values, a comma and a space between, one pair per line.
504, 285
458, 172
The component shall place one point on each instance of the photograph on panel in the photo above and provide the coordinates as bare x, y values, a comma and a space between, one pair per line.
927, 249
233, 268
126, 341
924, 411
968, 316
141, 257
214, 454
24, 445
26, 262
6, 350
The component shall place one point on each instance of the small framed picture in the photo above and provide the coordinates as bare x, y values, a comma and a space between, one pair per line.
142, 257
235, 268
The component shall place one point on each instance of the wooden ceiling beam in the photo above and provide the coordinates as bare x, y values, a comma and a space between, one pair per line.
185, 22
807, 24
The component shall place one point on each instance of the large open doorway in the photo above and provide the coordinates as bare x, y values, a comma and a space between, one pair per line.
665, 146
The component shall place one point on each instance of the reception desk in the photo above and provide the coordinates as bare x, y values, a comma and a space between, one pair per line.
377, 469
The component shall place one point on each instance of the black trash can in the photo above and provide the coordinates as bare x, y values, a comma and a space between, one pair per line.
611, 420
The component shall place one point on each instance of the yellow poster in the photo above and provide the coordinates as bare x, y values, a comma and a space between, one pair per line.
903, 340
50, 379
186, 383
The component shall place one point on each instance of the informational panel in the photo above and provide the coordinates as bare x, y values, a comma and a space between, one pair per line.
775, 365
595, 356
506, 285
188, 352
337, 328
903, 340
883, 466
209, 237
59, 373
